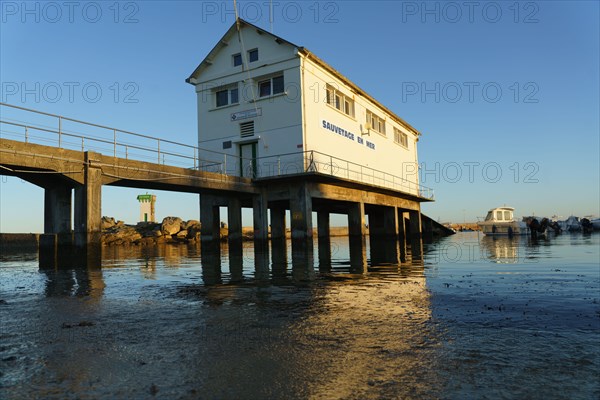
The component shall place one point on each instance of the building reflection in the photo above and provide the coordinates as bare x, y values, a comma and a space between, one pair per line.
356, 327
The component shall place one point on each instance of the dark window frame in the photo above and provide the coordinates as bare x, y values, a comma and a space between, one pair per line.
272, 86
237, 59
253, 55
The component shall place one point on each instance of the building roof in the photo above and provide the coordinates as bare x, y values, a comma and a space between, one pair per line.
302, 51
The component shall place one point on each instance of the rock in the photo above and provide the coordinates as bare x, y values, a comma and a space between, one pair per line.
157, 232
121, 235
190, 223
182, 234
108, 222
147, 241
171, 225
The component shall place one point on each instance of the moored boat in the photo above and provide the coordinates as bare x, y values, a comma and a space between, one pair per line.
501, 221
571, 224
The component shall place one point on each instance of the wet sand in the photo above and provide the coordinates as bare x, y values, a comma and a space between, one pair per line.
502, 319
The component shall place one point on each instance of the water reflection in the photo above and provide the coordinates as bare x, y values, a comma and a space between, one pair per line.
72, 271
79, 281
503, 250
214, 323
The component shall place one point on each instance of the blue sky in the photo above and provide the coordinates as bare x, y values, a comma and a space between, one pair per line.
506, 94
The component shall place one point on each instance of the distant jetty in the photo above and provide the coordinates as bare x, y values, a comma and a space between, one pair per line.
464, 227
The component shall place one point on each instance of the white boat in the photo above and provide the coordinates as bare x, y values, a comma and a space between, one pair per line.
501, 221
571, 224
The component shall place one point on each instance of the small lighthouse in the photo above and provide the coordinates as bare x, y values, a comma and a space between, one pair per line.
147, 202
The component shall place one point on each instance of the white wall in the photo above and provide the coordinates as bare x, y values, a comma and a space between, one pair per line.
278, 128
376, 151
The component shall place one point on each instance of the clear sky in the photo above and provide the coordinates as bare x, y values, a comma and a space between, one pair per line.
506, 94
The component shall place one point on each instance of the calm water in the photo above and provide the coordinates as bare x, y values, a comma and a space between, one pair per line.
477, 318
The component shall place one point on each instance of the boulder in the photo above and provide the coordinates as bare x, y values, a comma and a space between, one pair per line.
121, 235
108, 222
190, 223
171, 225
182, 234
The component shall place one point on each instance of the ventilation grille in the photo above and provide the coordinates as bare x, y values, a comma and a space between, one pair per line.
247, 129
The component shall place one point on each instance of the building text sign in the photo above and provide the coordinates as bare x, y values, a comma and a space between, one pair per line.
348, 135
255, 112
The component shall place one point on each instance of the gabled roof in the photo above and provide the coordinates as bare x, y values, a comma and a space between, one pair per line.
223, 42
302, 51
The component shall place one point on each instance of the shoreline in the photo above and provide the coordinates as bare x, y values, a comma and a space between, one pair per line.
131, 235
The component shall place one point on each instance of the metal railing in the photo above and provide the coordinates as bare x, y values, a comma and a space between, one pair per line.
313, 161
66, 133
69, 133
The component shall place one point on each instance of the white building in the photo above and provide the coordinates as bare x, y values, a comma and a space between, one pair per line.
274, 108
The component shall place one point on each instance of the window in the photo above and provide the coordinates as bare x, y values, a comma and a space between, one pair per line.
499, 215
253, 55
278, 84
339, 101
227, 96
377, 123
271, 86
507, 216
400, 137
234, 96
222, 98
237, 59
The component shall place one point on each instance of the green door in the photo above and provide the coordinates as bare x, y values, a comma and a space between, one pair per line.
248, 160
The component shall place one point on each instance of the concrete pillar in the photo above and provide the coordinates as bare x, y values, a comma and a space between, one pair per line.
278, 241
261, 235
277, 222
210, 229
324, 239
47, 251
234, 239
416, 245
260, 219
210, 253
376, 236
210, 236
234, 219
302, 228
57, 209
356, 220
357, 240
301, 211
88, 205
401, 235
390, 221
383, 235
302, 260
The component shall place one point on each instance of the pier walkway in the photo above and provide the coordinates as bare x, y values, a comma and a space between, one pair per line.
65, 155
